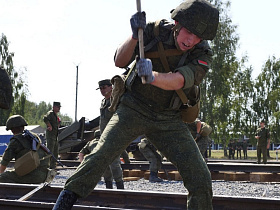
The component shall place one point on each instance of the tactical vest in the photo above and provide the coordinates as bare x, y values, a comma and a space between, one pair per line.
160, 48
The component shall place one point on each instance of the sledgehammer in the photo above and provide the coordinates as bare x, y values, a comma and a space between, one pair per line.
140, 38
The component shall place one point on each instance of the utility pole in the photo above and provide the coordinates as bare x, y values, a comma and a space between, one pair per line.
76, 93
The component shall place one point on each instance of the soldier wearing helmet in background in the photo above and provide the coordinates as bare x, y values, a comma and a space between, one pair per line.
5, 89
18, 146
153, 108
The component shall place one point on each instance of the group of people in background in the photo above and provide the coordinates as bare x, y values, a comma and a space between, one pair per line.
263, 142
20, 144
237, 146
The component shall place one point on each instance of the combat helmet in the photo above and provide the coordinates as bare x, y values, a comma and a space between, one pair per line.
97, 134
15, 121
5, 89
199, 17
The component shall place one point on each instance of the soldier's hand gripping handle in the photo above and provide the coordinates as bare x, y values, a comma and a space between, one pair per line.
139, 24
144, 69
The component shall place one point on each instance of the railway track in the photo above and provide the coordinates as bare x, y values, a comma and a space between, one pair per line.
121, 199
236, 166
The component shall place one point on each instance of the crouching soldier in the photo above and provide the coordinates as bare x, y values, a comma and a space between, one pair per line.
19, 146
107, 175
151, 154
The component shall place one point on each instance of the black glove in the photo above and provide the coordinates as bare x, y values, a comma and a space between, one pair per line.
138, 20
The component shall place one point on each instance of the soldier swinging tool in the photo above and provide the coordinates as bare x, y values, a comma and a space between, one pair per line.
153, 108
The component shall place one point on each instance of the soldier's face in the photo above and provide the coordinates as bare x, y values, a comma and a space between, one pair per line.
56, 109
105, 90
186, 40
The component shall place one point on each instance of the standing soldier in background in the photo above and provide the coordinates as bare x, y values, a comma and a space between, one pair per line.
155, 159
153, 108
53, 122
231, 149
238, 149
18, 146
245, 147
5, 89
105, 88
263, 137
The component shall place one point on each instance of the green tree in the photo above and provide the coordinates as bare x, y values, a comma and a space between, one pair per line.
266, 96
217, 94
16, 77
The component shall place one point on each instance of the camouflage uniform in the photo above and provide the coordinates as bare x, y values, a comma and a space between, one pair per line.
238, 149
115, 167
244, 146
262, 143
87, 150
146, 110
18, 146
150, 153
89, 146
231, 148
51, 136
203, 141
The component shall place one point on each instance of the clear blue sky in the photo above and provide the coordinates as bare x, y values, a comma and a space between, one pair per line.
50, 38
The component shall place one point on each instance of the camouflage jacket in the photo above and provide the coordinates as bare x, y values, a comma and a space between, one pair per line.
20, 145
264, 136
52, 118
89, 146
199, 57
105, 114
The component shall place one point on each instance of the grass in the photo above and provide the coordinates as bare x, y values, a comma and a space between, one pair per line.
252, 155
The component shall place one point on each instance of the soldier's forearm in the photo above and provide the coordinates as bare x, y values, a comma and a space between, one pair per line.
168, 81
125, 52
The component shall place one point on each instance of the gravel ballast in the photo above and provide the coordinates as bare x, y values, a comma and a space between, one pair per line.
228, 188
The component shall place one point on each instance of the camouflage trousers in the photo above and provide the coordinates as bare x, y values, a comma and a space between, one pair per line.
202, 144
114, 171
155, 162
52, 145
35, 177
167, 133
262, 150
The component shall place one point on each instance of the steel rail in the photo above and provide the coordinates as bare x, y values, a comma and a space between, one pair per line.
122, 199
213, 166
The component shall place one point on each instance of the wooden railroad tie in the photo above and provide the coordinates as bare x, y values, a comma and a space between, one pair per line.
136, 174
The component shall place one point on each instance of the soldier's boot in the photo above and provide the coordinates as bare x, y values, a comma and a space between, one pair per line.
109, 184
120, 185
65, 200
154, 178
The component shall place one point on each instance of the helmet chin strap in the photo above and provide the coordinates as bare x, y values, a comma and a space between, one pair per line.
176, 30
